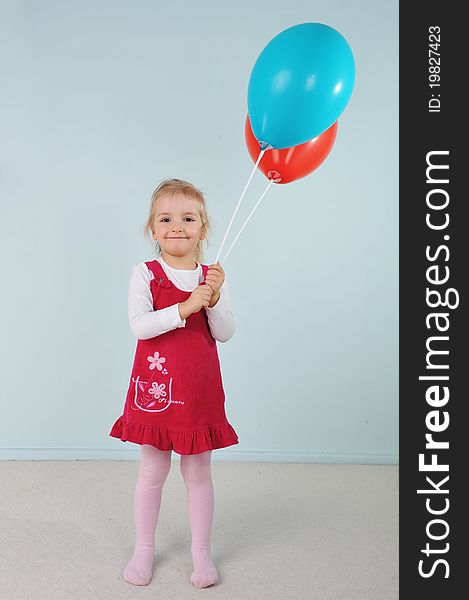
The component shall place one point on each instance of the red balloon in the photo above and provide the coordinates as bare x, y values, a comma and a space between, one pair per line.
288, 164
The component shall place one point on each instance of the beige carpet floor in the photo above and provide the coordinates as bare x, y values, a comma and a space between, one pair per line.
281, 531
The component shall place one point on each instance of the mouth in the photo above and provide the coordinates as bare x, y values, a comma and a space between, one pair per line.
176, 238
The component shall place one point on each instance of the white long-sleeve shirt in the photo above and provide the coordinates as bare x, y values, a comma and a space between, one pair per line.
147, 323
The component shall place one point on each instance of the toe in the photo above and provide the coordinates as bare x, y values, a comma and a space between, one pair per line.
202, 580
136, 578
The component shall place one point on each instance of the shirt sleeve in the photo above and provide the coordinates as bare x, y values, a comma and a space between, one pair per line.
220, 316
145, 322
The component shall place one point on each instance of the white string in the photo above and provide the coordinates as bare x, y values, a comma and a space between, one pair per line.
261, 154
247, 220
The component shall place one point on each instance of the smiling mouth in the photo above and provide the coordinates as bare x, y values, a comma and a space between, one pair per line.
176, 238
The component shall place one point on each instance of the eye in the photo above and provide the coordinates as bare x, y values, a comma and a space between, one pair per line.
164, 219
190, 218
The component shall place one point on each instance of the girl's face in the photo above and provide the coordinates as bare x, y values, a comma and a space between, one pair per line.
177, 225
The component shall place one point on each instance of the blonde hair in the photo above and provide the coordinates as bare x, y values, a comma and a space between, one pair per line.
171, 187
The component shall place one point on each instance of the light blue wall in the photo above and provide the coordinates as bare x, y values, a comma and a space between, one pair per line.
101, 100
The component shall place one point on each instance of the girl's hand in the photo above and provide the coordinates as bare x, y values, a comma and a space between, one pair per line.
198, 299
215, 278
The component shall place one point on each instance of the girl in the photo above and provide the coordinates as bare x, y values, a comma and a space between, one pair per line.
178, 307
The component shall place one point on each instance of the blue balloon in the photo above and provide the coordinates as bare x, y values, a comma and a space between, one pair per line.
300, 85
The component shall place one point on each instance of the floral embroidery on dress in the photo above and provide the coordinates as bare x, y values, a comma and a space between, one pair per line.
157, 390
149, 394
156, 361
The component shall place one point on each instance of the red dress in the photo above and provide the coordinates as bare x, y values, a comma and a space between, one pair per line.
175, 400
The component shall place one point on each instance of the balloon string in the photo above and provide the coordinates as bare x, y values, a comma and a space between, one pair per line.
261, 154
247, 220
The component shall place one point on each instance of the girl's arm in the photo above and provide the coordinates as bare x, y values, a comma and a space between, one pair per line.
145, 322
220, 316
